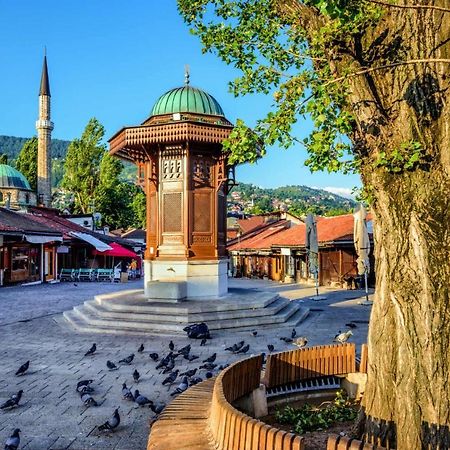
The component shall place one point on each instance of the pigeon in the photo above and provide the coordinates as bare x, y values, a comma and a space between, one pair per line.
12, 401
171, 346
194, 381
351, 325
126, 393
270, 347
23, 368
181, 387
111, 423
222, 366
208, 366
85, 390
203, 342
293, 333
254, 333
185, 350
75, 284
111, 366
286, 339
92, 350
169, 366
189, 373
157, 409
191, 358
235, 347
343, 337
12, 443
154, 356
127, 360
244, 349
88, 400
164, 361
136, 376
300, 342
171, 378
141, 348
140, 399
211, 359
208, 375
83, 383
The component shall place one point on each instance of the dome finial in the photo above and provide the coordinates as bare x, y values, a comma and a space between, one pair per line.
186, 74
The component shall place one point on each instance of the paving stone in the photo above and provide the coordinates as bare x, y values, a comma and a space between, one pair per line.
51, 414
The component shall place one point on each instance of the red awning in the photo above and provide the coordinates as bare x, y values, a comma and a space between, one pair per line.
118, 251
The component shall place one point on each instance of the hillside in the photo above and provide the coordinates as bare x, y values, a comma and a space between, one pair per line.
11, 146
298, 200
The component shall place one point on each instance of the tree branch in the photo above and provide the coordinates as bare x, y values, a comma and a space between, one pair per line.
387, 66
391, 5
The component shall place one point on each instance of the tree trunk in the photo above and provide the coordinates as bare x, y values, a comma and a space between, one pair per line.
409, 334
407, 397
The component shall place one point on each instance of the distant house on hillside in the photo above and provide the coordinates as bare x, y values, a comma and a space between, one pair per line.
277, 252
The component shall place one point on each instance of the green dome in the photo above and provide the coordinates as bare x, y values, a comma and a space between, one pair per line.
187, 99
12, 178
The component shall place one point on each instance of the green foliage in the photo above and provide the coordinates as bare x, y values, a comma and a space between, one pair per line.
407, 157
277, 55
299, 200
82, 166
26, 162
3, 158
11, 145
57, 172
310, 418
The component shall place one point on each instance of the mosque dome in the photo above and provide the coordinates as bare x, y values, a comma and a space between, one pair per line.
187, 99
12, 178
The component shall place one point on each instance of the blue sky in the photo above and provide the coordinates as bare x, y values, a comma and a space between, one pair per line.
112, 60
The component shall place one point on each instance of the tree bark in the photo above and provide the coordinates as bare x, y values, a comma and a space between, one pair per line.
407, 397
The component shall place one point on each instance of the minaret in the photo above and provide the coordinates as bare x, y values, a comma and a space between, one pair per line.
44, 127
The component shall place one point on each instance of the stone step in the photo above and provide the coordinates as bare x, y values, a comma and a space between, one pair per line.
136, 301
85, 315
179, 315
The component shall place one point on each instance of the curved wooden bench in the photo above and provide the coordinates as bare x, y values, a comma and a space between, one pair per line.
233, 430
183, 425
336, 442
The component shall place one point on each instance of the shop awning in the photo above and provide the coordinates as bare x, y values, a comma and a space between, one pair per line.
41, 239
97, 243
120, 252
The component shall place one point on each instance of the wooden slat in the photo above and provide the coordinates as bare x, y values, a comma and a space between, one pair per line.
332, 441
343, 444
364, 359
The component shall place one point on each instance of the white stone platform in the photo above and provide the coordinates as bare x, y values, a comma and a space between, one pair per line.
131, 312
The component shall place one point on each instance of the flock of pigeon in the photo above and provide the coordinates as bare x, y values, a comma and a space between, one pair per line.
166, 364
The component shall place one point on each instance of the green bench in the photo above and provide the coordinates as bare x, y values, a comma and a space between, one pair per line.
85, 275
104, 274
67, 275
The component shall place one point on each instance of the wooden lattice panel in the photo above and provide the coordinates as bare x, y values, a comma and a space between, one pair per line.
202, 212
173, 209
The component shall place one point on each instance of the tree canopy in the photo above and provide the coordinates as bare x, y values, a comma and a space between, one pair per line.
26, 162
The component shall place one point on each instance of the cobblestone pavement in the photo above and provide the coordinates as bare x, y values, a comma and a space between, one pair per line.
51, 415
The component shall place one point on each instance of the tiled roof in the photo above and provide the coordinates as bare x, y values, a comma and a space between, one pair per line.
22, 222
65, 226
261, 240
329, 229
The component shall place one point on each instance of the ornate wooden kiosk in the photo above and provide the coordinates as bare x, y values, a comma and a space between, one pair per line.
178, 150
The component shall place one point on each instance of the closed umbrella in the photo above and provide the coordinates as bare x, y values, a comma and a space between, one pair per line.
362, 244
312, 249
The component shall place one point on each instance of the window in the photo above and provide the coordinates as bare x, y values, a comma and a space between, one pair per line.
27, 198
1, 196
